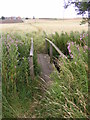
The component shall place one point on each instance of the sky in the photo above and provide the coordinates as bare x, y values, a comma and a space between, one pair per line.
37, 8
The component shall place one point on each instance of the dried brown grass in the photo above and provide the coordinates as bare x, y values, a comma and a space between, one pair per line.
49, 26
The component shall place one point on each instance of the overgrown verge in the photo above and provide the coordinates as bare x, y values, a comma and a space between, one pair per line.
68, 94
62, 41
17, 85
67, 97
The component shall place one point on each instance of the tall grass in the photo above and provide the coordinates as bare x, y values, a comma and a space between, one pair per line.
67, 95
16, 80
62, 40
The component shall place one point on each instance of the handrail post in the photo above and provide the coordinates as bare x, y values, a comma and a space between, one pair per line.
31, 60
51, 53
31, 67
46, 46
56, 48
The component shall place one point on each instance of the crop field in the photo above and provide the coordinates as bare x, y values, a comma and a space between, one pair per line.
48, 26
67, 94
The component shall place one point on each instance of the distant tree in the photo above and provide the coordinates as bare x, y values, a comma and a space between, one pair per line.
80, 7
3, 18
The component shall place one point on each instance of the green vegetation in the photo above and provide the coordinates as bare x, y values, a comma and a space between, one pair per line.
81, 7
0, 81
66, 97
16, 80
62, 40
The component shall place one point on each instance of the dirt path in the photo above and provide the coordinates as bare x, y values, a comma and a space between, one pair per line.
44, 83
37, 27
46, 66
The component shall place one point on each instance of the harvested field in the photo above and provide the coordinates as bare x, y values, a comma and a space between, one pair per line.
49, 26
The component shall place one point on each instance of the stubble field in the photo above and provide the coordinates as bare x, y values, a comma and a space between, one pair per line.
47, 25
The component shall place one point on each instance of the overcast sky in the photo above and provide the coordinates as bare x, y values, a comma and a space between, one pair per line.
37, 8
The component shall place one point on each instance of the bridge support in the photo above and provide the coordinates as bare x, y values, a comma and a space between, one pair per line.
46, 47
51, 53
31, 60
31, 67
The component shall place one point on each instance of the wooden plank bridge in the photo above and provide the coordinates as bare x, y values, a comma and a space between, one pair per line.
44, 60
